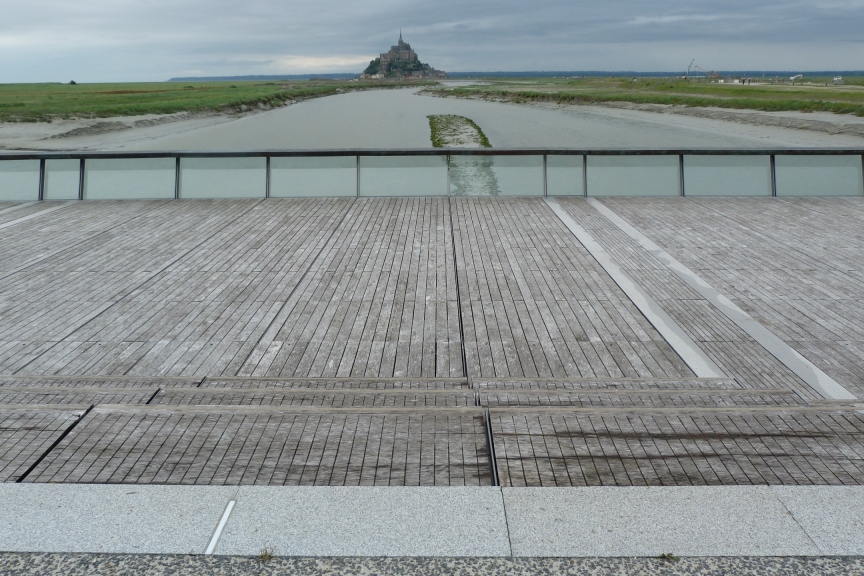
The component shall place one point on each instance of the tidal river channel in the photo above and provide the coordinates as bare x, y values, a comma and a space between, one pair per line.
398, 119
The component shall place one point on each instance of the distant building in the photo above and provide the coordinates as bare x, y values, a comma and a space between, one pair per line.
400, 62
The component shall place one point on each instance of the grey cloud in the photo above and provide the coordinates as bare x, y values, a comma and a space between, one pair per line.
94, 40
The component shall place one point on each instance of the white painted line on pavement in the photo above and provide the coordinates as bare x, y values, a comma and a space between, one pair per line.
803, 368
215, 540
683, 345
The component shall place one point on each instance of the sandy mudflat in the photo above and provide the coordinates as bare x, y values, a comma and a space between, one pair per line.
101, 133
398, 119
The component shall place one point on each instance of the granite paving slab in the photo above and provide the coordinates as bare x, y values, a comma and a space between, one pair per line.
367, 521
106, 518
705, 521
833, 516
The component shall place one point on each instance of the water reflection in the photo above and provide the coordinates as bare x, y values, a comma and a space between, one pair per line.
473, 176
504, 175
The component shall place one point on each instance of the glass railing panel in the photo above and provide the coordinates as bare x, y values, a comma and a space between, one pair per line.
727, 175
565, 175
812, 175
129, 178
19, 180
647, 175
403, 175
496, 175
303, 177
223, 177
62, 177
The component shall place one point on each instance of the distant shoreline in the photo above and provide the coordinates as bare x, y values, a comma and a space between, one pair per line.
340, 76
523, 74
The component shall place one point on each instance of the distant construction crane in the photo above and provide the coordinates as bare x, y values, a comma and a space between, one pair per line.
712, 74
687, 77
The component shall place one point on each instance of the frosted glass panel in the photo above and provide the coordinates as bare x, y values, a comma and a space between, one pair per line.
62, 179
129, 178
818, 175
496, 175
727, 175
223, 177
633, 176
19, 180
403, 176
296, 177
564, 176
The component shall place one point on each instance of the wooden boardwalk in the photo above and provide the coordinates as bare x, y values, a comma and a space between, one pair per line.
536, 304
795, 265
424, 341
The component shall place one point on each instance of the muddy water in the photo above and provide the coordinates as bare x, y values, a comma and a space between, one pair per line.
397, 119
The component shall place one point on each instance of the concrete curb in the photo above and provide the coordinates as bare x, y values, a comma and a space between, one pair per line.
435, 522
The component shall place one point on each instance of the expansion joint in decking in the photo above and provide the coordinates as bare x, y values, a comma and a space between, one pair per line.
54, 444
490, 443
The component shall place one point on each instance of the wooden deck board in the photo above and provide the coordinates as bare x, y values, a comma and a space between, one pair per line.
792, 264
329, 335
534, 297
372, 304
232, 448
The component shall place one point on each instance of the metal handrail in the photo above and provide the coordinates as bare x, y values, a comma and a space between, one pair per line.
76, 155
445, 153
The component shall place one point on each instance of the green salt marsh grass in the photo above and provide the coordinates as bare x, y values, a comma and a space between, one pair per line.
45, 102
816, 94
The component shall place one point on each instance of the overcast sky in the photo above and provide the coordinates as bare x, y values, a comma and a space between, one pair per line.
142, 40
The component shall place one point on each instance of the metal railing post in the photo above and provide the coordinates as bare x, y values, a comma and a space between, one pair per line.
41, 179
773, 176
81, 180
545, 178
448, 174
177, 178
585, 175
681, 174
358, 176
267, 178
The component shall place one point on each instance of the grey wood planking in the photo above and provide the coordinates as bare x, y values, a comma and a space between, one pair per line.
93, 381
683, 345
231, 447
43, 212
338, 383
25, 209
41, 395
608, 384
188, 312
722, 340
686, 400
6, 207
823, 384
379, 302
369, 345
25, 434
537, 304
804, 291
561, 449
292, 397
42, 239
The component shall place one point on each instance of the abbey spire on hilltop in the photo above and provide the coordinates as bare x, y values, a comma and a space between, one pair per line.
400, 62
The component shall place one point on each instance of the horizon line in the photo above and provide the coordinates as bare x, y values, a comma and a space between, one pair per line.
324, 75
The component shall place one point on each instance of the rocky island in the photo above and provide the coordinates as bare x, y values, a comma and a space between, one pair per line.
400, 62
